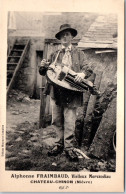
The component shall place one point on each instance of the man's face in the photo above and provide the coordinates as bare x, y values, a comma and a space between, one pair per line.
66, 38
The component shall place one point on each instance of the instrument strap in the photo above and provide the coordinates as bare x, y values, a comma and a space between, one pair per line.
56, 57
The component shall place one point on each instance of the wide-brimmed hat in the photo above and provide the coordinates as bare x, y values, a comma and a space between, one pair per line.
66, 27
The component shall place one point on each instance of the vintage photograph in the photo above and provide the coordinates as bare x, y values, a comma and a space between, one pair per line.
61, 91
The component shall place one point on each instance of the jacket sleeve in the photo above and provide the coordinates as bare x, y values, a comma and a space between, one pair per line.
84, 65
42, 70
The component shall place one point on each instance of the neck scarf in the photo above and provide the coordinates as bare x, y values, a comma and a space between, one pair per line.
66, 60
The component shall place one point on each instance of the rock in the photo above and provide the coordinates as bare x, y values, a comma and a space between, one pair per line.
21, 132
34, 134
10, 146
11, 159
29, 141
7, 168
102, 165
16, 112
14, 92
7, 140
84, 170
49, 142
30, 144
100, 146
13, 126
18, 139
34, 139
8, 154
54, 164
10, 96
24, 111
45, 133
26, 151
93, 120
19, 99
36, 144
26, 99
23, 155
23, 129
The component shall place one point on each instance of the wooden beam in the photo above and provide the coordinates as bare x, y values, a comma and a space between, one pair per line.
42, 118
87, 131
106, 51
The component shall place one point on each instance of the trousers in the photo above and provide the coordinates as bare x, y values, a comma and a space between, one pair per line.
64, 118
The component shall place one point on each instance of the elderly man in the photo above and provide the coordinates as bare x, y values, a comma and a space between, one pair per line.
65, 103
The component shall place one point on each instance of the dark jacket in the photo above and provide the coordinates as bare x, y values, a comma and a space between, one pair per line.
63, 96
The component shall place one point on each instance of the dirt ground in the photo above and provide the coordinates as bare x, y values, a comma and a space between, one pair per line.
27, 145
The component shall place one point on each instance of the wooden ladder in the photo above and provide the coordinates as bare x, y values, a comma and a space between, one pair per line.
15, 59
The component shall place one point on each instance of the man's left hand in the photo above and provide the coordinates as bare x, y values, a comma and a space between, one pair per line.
79, 77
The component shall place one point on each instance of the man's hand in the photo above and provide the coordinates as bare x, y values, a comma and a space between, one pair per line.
44, 63
43, 67
79, 77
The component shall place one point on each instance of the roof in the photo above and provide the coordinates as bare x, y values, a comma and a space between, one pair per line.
101, 34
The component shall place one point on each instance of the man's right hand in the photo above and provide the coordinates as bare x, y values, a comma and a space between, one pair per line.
44, 63
43, 67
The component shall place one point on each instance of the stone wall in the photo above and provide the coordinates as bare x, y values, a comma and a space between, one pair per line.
105, 62
99, 109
